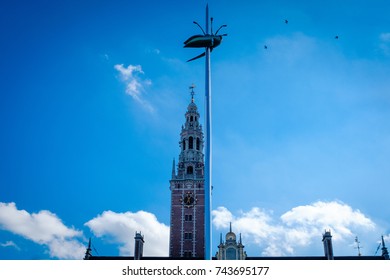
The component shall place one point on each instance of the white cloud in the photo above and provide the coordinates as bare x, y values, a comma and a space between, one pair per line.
43, 228
222, 217
299, 46
297, 229
121, 227
135, 85
339, 217
10, 244
385, 37
154, 51
385, 43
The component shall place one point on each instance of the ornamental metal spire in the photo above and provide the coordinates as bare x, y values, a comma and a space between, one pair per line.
358, 247
88, 254
192, 92
385, 253
209, 41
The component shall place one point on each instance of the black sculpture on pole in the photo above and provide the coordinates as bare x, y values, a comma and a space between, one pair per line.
206, 40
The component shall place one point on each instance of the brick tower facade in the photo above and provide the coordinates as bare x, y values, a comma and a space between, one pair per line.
187, 191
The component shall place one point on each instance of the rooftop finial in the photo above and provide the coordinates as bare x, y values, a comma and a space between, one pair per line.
358, 246
192, 92
230, 227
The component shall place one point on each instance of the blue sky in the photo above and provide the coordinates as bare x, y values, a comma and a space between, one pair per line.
93, 96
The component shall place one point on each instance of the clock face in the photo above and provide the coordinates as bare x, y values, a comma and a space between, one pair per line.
188, 199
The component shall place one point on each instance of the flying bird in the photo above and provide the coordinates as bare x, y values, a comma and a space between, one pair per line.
286, 21
265, 47
336, 37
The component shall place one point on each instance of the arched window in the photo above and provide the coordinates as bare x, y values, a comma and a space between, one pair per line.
190, 142
190, 170
197, 143
192, 118
184, 144
231, 254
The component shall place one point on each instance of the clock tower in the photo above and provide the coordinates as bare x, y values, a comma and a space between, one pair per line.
187, 190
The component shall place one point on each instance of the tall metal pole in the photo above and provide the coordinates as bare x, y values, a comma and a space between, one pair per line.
209, 41
208, 159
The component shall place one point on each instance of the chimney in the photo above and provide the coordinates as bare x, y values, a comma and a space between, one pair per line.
328, 248
139, 246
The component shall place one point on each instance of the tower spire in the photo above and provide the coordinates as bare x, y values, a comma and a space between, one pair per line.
385, 253
88, 254
173, 169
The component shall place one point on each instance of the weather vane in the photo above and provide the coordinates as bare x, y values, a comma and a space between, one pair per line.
192, 92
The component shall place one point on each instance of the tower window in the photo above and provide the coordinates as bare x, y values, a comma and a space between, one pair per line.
188, 218
190, 170
197, 143
184, 144
188, 235
192, 119
190, 143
